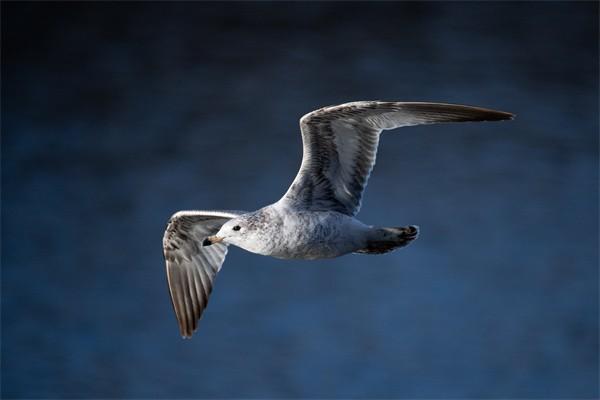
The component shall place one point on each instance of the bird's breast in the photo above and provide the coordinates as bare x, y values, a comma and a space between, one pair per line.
313, 235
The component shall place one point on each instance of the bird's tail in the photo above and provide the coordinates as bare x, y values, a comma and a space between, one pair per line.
384, 240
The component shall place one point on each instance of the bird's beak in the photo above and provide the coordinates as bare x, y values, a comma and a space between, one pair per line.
211, 240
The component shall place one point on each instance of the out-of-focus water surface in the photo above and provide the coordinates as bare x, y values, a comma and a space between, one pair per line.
114, 116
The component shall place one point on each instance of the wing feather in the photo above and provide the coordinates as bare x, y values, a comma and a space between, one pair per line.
340, 147
191, 267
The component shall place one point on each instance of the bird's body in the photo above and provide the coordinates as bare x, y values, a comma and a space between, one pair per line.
287, 233
315, 218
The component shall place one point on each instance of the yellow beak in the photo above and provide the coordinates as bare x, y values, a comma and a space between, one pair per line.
211, 240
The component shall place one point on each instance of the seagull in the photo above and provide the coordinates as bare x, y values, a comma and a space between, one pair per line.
315, 218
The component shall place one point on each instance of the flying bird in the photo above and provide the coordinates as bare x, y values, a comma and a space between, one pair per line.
315, 218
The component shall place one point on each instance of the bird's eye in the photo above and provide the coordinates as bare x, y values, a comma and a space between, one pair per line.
236, 228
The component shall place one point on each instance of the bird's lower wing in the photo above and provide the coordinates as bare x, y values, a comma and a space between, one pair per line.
191, 267
340, 146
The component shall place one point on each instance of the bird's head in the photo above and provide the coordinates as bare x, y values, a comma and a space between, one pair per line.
245, 232
230, 233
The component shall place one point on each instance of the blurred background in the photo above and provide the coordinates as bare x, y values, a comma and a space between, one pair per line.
114, 116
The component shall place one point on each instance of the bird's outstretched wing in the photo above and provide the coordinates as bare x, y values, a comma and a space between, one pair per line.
340, 145
191, 267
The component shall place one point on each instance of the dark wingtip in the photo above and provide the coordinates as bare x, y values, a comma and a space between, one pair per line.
484, 114
445, 112
501, 116
186, 333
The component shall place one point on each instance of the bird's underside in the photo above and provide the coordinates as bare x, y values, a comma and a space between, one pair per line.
339, 150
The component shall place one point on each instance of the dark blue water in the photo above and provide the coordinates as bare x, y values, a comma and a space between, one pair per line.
114, 116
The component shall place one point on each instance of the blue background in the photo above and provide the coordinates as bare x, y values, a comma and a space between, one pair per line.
114, 116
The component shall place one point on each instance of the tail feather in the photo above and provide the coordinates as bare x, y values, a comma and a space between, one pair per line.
385, 240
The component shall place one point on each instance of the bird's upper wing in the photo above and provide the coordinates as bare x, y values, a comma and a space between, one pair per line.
191, 267
340, 145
